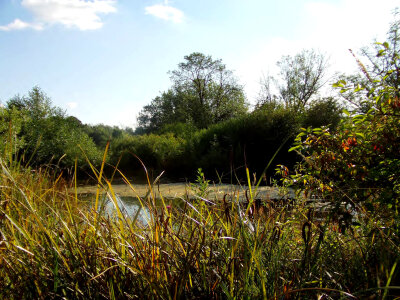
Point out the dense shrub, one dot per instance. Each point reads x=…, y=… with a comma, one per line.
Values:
x=355, y=169
x=157, y=152
x=11, y=121
x=251, y=141
x=42, y=134
x=324, y=112
x=224, y=150
x=359, y=161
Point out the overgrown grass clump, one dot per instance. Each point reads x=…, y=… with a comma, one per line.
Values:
x=53, y=246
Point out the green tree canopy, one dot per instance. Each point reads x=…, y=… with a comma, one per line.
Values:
x=101, y=134
x=204, y=92
x=45, y=133
x=299, y=81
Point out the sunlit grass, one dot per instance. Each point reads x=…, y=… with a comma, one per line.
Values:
x=53, y=246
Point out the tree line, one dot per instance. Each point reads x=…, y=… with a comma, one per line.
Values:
x=202, y=120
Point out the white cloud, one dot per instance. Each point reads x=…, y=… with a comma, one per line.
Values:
x=81, y=14
x=165, y=12
x=331, y=28
x=17, y=24
x=72, y=105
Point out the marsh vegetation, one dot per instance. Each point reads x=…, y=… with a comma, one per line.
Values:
x=233, y=245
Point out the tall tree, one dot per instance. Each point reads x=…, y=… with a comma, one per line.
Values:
x=37, y=104
x=300, y=79
x=168, y=108
x=204, y=92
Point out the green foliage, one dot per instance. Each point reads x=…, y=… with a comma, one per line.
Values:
x=37, y=105
x=169, y=108
x=352, y=88
x=227, y=147
x=158, y=152
x=11, y=121
x=204, y=92
x=206, y=96
x=300, y=79
x=359, y=162
x=53, y=245
x=383, y=58
x=101, y=134
x=250, y=140
x=380, y=67
x=323, y=112
x=181, y=130
x=201, y=185
x=43, y=134
x=354, y=169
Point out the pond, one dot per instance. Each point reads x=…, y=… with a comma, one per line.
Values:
x=127, y=196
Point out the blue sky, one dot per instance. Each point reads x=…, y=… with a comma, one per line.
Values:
x=103, y=60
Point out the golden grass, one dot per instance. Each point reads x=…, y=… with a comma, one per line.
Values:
x=53, y=246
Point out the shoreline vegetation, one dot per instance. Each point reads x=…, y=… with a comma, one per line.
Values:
x=184, y=190
x=54, y=245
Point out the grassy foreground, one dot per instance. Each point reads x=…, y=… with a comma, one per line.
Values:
x=53, y=247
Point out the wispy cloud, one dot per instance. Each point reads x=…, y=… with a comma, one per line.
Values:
x=17, y=24
x=166, y=12
x=80, y=14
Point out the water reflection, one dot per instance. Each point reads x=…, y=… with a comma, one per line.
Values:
x=130, y=207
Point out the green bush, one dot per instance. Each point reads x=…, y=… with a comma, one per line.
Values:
x=249, y=141
x=42, y=134
x=358, y=162
x=157, y=152
x=323, y=112
x=225, y=148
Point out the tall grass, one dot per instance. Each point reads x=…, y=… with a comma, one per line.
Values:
x=53, y=246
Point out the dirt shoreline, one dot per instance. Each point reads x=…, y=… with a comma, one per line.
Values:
x=177, y=190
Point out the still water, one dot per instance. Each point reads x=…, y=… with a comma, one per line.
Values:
x=131, y=207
